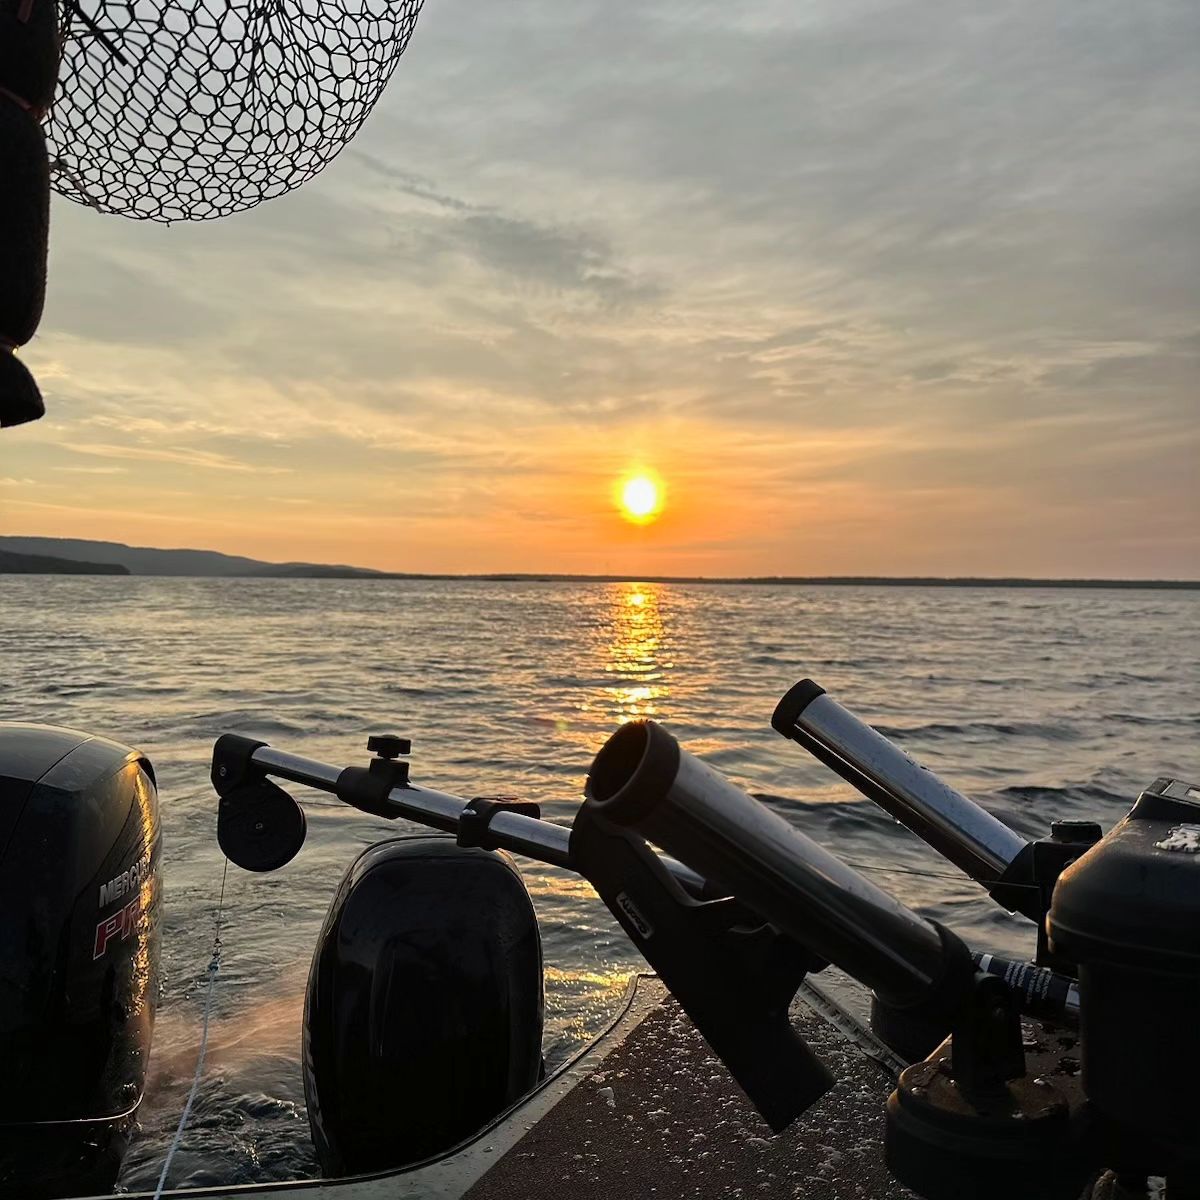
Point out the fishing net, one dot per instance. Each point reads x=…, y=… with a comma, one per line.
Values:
x=187, y=110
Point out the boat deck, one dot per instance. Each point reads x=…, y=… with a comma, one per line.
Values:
x=660, y=1117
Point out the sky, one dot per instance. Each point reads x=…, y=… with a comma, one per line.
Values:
x=871, y=286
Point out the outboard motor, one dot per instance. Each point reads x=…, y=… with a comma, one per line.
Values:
x=424, y=1010
x=1127, y=913
x=79, y=950
x=423, y=1018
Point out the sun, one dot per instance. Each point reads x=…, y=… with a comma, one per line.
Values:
x=641, y=499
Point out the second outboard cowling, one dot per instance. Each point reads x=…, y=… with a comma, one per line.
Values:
x=79, y=949
x=423, y=1018
x=1128, y=914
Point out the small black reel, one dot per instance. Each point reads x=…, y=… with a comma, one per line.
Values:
x=259, y=826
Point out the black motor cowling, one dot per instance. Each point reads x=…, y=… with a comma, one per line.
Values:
x=423, y=1018
x=1128, y=914
x=79, y=951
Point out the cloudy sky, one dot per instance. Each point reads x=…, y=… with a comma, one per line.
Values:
x=873, y=286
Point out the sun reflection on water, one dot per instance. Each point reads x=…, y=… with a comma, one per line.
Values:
x=637, y=641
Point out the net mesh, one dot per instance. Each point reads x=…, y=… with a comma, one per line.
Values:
x=186, y=110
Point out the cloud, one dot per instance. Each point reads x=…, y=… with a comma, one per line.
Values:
x=189, y=458
x=94, y=470
x=559, y=258
x=117, y=299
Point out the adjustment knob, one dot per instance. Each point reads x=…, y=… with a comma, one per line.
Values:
x=388, y=745
x=1076, y=831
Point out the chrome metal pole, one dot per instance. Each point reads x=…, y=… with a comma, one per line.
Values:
x=958, y=828
x=521, y=834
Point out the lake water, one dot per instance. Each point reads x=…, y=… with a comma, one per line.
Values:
x=1037, y=703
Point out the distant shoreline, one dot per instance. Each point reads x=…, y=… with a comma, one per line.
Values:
x=875, y=581
x=833, y=581
x=38, y=555
x=45, y=564
x=1177, y=585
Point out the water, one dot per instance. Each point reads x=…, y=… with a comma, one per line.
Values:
x=1038, y=703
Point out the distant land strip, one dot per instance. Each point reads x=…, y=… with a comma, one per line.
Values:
x=966, y=581
x=58, y=556
x=45, y=564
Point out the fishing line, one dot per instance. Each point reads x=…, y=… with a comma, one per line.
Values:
x=214, y=965
x=902, y=871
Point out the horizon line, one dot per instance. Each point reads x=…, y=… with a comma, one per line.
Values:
x=368, y=574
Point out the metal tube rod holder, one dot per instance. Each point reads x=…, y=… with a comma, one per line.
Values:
x=642, y=778
x=955, y=826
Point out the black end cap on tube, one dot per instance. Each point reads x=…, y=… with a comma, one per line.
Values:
x=798, y=698
x=233, y=762
x=633, y=772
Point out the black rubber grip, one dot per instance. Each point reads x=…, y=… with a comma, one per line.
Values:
x=797, y=699
x=633, y=772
